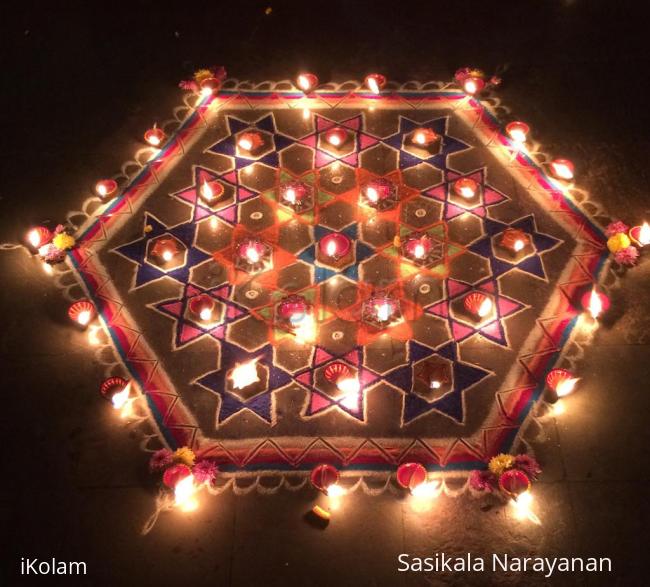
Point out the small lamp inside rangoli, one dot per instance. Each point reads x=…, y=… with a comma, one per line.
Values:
x=595, y=303
x=424, y=137
x=478, y=304
x=307, y=82
x=336, y=136
x=39, y=236
x=165, y=249
x=466, y=187
x=640, y=235
x=81, y=312
x=562, y=169
x=335, y=246
x=518, y=132
x=106, y=188
x=250, y=141
x=375, y=82
x=155, y=136
x=514, y=240
x=203, y=307
x=210, y=192
x=244, y=374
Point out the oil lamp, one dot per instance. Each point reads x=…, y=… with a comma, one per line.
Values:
x=478, y=304
x=379, y=193
x=155, y=136
x=561, y=381
x=295, y=194
x=209, y=193
x=307, y=82
x=244, y=374
x=106, y=188
x=251, y=254
x=383, y=308
x=202, y=306
x=562, y=169
x=209, y=86
x=423, y=137
x=466, y=187
x=417, y=248
x=293, y=310
x=165, y=249
x=336, y=136
x=39, y=236
x=413, y=476
x=323, y=477
x=517, y=131
x=375, y=82
x=334, y=246
x=250, y=141
x=473, y=85
x=81, y=312
x=514, y=240
x=640, y=235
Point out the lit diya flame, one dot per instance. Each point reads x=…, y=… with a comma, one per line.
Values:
x=561, y=381
x=39, y=236
x=121, y=399
x=424, y=136
x=336, y=136
x=478, y=304
x=165, y=248
x=244, y=374
x=383, y=311
x=81, y=312
x=518, y=132
x=209, y=193
x=307, y=82
x=641, y=234
x=521, y=505
x=466, y=187
x=154, y=136
x=203, y=307
x=562, y=169
x=249, y=141
x=294, y=193
x=209, y=86
x=350, y=387
x=595, y=303
x=252, y=254
x=375, y=82
x=473, y=85
x=185, y=494
x=106, y=188
x=514, y=239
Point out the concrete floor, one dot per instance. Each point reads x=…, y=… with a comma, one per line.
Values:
x=76, y=486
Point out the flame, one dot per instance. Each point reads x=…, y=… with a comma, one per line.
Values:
x=435, y=384
x=244, y=374
x=214, y=223
x=562, y=170
x=467, y=192
x=245, y=144
x=372, y=194
x=644, y=235
x=303, y=83
x=185, y=494
x=566, y=386
x=306, y=329
x=48, y=268
x=518, y=245
x=101, y=189
x=93, y=337
x=373, y=85
x=84, y=317
x=470, y=86
x=34, y=238
x=167, y=255
x=205, y=314
x=485, y=308
x=290, y=196
x=521, y=505
x=418, y=251
x=334, y=139
x=426, y=490
x=595, y=304
x=252, y=255
x=123, y=401
x=331, y=248
x=207, y=193
x=383, y=311
x=305, y=113
x=517, y=135
x=420, y=138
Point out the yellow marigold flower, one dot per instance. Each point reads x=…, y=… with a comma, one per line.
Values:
x=618, y=242
x=397, y=241
x=500, y=463
x=63, y=241
x=202, y=74
x=185, y=455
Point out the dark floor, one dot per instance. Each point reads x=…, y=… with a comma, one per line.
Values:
x=79, y=87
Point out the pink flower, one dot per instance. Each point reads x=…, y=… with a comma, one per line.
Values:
x=528, y=465
x=616, y=228
x=627, y=256
x=483, y=481
x=205, y=471
x=161, y=459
